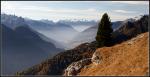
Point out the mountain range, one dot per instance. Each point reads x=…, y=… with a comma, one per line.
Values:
x=48, y=28
x=22, y=47
x=27, y=42
x=64, y=33
x=70, y=62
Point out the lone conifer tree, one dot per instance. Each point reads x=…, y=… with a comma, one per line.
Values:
x=103, y=37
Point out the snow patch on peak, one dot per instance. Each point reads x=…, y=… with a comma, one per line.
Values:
x=138, y=17
x=133, y=19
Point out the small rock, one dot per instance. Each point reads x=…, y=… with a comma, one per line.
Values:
x=75, y=67
x=96, y=58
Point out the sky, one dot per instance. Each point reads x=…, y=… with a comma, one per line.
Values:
x=71, y=10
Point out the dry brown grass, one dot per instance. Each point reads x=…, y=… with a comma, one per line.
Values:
x=122, y=59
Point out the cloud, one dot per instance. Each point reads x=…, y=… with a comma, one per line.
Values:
x=133, y=2
x=44, y=12
x=124, y=11
x=16, y=7
x=73, y=11
x=51, y=10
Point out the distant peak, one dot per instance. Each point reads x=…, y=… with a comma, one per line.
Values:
x=133, y=19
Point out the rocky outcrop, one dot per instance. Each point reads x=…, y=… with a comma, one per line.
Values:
x=75, y=67
x=96, y=58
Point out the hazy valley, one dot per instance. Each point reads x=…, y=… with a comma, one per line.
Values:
x=28, y=42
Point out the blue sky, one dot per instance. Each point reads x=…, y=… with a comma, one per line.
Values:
x=89, y=10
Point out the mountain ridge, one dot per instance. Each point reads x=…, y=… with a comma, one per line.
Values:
x=58, y=64
x=19, y=45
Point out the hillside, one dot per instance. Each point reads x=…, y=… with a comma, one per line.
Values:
x=57, y=64
x=127, y=58
x=22, y=48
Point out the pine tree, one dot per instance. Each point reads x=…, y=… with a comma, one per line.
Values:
x=103, y=37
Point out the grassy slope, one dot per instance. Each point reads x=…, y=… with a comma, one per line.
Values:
x=122, y=59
